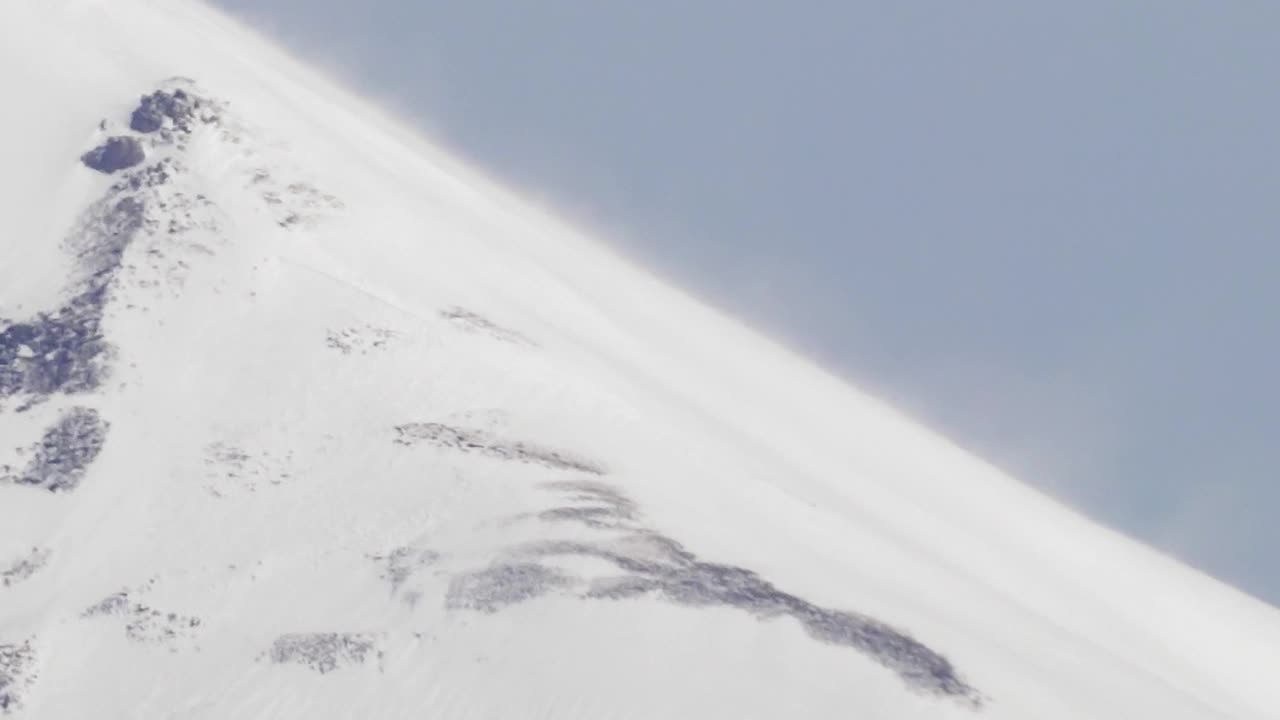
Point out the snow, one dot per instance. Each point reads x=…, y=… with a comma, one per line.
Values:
x=370, y=435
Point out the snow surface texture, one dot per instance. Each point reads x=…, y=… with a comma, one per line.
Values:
x=301, y=418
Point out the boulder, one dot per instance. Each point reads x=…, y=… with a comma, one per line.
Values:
x=117, y=153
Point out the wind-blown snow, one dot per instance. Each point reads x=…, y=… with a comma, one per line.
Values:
x=299, y=417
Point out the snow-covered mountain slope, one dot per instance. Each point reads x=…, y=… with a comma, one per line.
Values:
x=300, y=418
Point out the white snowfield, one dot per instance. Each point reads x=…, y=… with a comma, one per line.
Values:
x=301, y=418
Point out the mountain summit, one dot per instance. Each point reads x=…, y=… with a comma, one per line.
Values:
x=302, y=418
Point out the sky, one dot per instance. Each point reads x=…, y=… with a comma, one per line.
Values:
x=1047, y=230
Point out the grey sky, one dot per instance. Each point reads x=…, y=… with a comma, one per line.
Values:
x=1047, y=229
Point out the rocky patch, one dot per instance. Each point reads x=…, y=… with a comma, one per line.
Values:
x=621, y=587
x=469, y=321
x=295, y=203
x=64, y=351
x=17, y=675
x=650, y=564
x=360, y=340
x=170, y=114
x=117, y=604
x=471, y=440
x=175, y=109
x=59, y=352
x=151, y=176
x=325, y=652
x=144, y=624
x=171, y=250
x=502, y=584
x=24, y=567
x=301, y=201
x=593, y=504
x=64, y=454
x=402, y=563
x=230, y=468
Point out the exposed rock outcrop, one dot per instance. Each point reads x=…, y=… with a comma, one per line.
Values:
x=177, y=106
x=117, y=153
x=65, y=452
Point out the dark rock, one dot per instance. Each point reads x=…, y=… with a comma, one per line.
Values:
x=64, y=351
x=178, y=106
x=59, y=352
x=917, y=664
x=117, y=153
x=66, y=451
